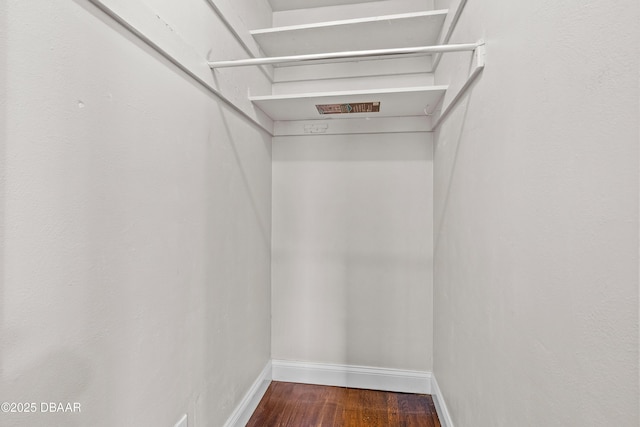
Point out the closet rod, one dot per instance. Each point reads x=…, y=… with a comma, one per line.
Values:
x=345, y=55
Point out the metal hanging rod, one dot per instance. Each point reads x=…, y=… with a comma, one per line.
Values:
x=344, y=55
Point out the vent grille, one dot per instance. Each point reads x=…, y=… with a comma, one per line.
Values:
x=354, y=107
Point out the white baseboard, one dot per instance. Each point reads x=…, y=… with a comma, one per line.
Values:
x=441, y=405
x=385, y=379
x=241, y=415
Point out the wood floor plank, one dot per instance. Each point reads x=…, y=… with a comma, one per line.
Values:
x=304, y=405
x=393, y=414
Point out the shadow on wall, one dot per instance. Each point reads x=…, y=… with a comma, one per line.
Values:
x=262, y=223
x=450, y=163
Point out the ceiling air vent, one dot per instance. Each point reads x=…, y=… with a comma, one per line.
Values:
x=356, y=107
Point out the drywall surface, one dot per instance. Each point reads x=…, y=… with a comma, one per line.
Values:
x=445, y=4
x=351, y=271
x=136, y=214
x=536, y=219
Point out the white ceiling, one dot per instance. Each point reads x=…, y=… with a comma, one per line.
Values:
x=278, y=5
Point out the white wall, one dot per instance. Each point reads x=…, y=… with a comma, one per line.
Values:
x=536, y=219
x=135, y=224
x=352, y=260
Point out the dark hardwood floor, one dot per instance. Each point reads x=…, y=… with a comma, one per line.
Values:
x=304, y=405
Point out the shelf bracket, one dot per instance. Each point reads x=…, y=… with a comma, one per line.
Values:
x=479, y=58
